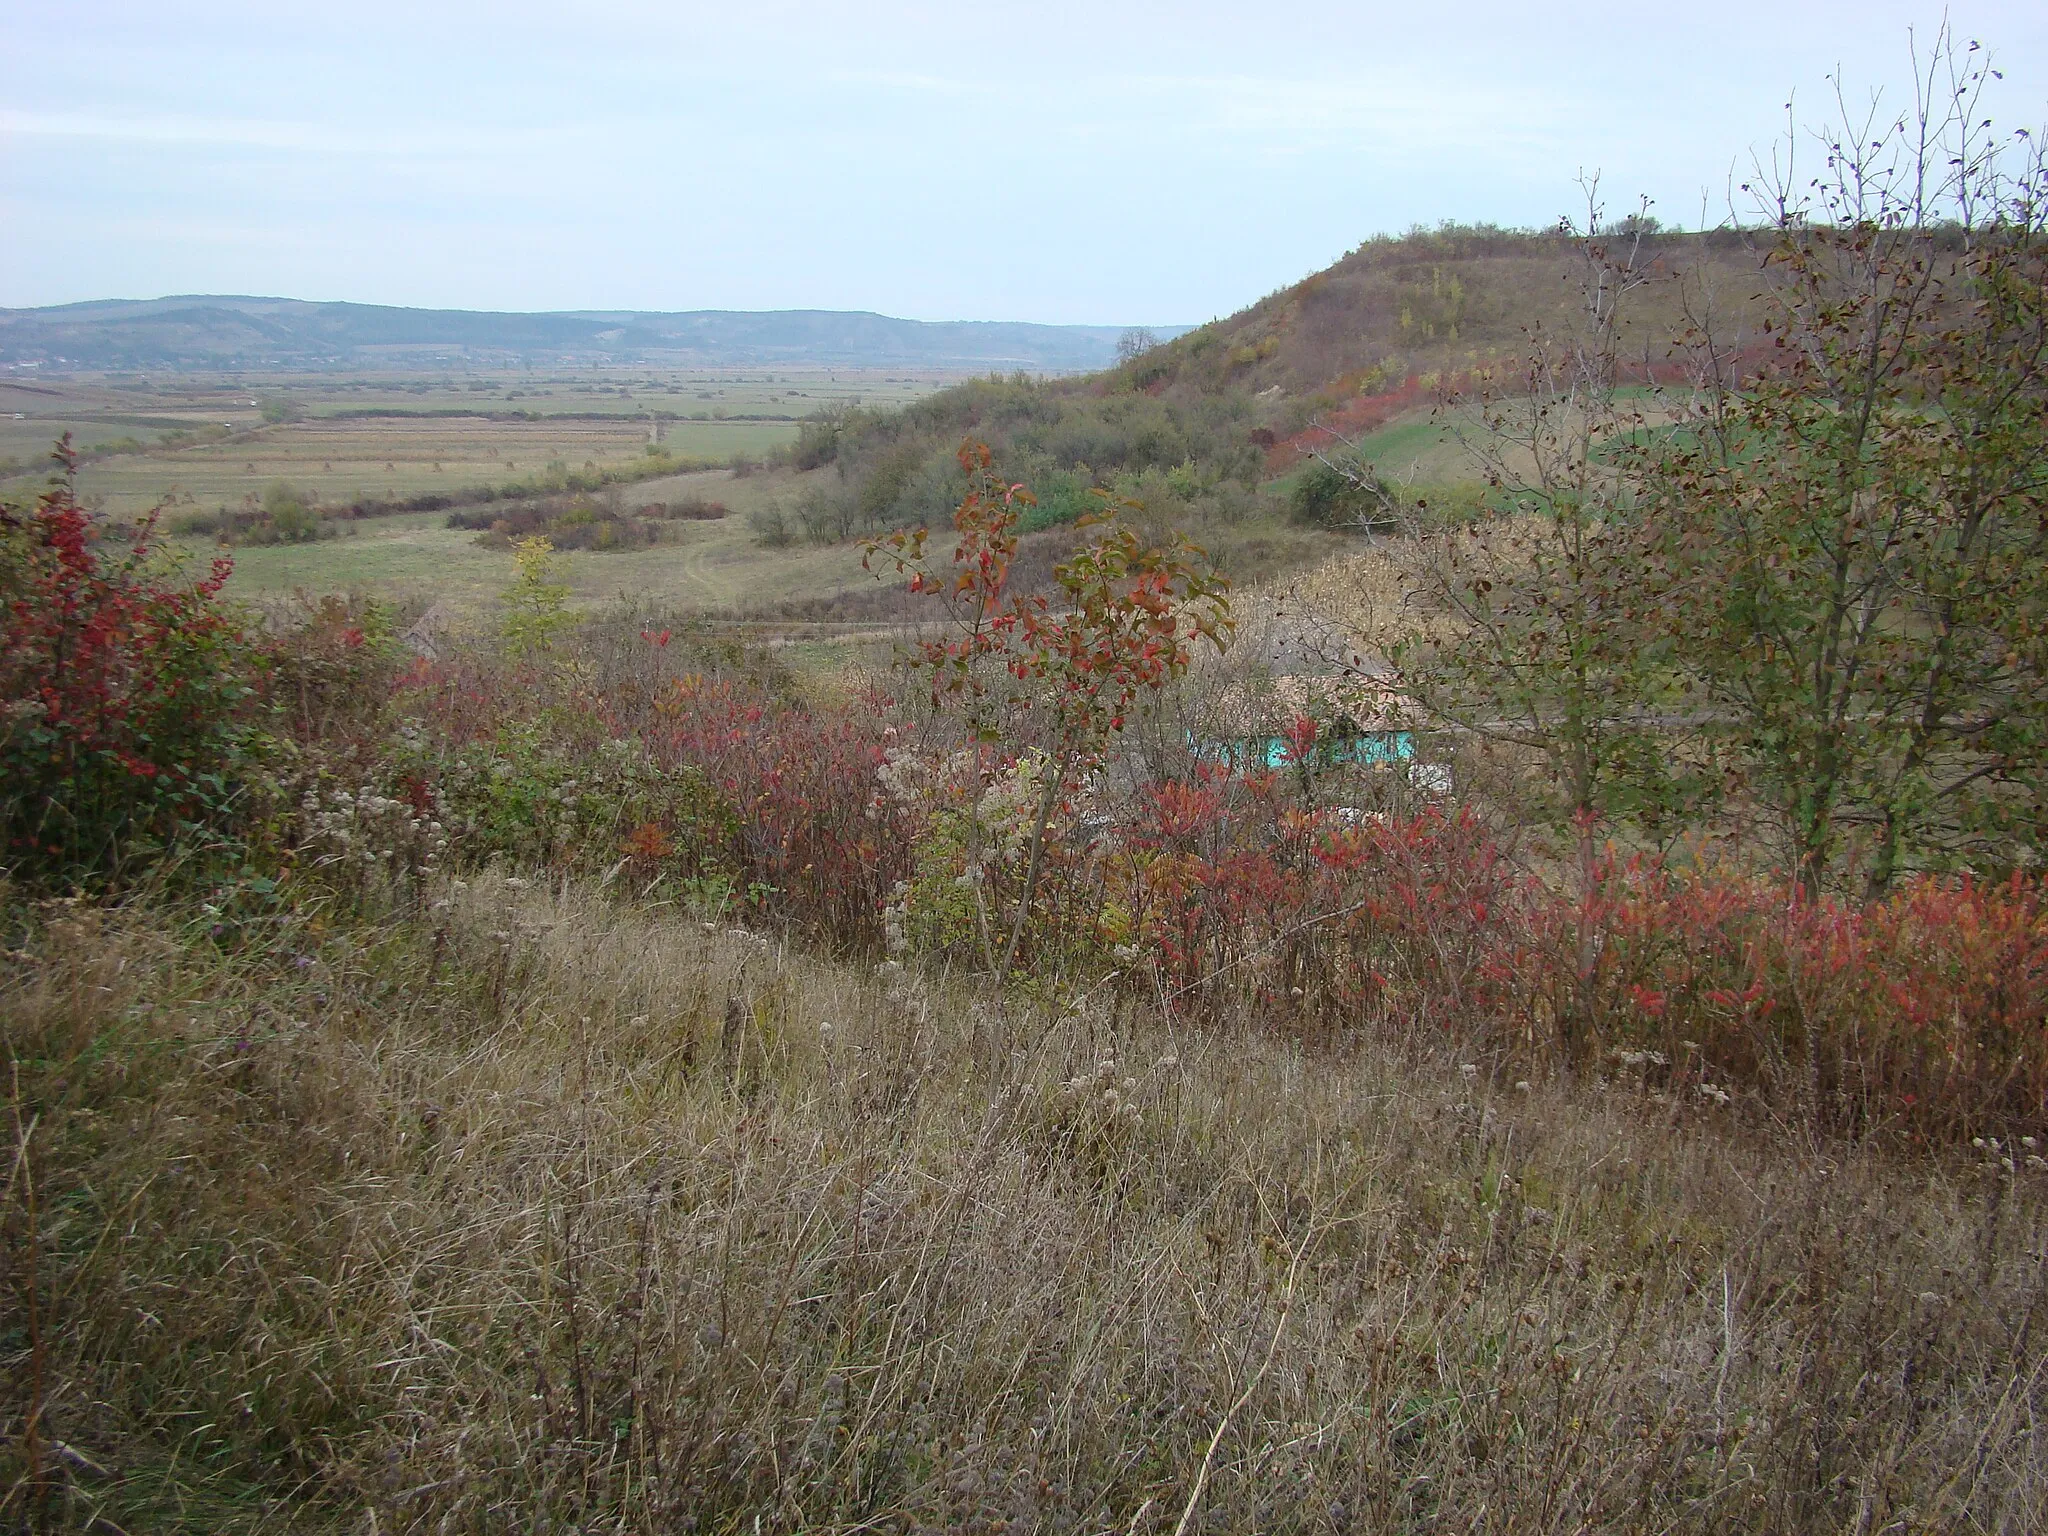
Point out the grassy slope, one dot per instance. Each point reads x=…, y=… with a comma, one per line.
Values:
x=1424, y=304
x=535, y=1211
x=1433, y=303
x=1363, y=345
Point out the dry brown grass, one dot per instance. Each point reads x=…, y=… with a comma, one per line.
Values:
x=1441, y=302
x=537, y=1213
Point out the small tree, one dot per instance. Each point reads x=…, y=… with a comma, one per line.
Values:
x=1529, y=627
x=1134, y=343
x=536, y=601
x=1860, y=528
x=1128, y=617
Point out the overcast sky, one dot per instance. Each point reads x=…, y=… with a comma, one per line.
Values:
x=1112, y=163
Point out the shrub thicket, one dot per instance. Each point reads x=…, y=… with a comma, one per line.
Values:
x=897, y=469
x=127, y=728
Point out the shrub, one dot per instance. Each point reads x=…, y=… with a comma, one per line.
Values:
x=530, y=801
x=536, y=602
x=290, y=520
x=770, y=527
x=1221, y=895
x=329, y=672
x=817, y=847
x=731, y=778
x=568, y=522
x=1237, y=895
x=1925, y=1012
x=125, y=726
x=1325, y=497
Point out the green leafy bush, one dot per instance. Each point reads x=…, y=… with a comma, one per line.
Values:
x=534, y=801
x=1325, y=497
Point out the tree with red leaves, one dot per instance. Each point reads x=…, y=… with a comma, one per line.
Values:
x=123, y=722
x=1124, y=623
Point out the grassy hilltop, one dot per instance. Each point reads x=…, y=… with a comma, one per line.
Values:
x=1436, y=302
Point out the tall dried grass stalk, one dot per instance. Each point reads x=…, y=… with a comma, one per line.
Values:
x=534, y=1213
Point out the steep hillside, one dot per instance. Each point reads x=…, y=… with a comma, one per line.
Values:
x=1199, y=426
x=1436, y=302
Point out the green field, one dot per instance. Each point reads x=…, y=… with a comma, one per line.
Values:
x=416, y=559
x=341, y=461
x=434, y=434
x=1439, y=447
x=1423, y=447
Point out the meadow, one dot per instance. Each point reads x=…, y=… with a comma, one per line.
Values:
x=415, y=560
x=573, y=1104
x=345, y=437
x=537, y=1208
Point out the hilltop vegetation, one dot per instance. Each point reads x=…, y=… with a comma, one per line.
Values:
x=1438, y=302
x=1200, y=426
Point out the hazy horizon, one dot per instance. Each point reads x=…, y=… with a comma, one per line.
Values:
x=1108, y=165
x=589, y=309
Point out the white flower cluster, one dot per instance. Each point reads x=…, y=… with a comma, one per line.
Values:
x=1108, y=1087
x=1009, y=805
x=896, y=920
x=908, y=778
x=2001, y=1153
x=365, y=827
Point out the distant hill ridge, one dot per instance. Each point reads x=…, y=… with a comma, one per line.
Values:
x=239, y=331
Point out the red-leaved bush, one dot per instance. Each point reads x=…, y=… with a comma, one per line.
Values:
x=817, y=846
x=122, y=728
x=812, y=846
x=1243, y=897
x=1925, y=1013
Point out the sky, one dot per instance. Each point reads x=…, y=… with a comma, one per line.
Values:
x=1108, y=163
